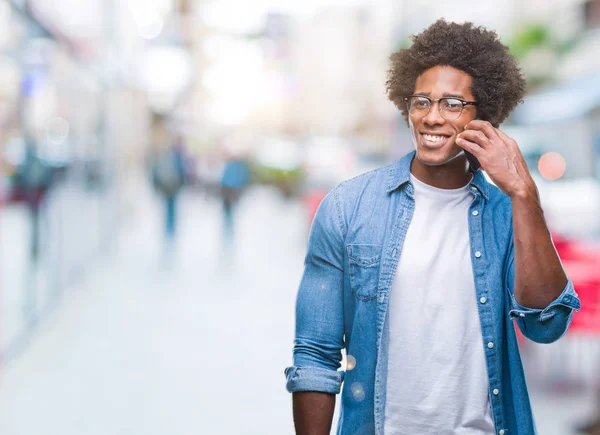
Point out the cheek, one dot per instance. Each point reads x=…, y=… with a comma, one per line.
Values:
x=459, y=128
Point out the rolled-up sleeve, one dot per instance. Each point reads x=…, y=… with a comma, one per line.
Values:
x=542, y=325
x=319, y=337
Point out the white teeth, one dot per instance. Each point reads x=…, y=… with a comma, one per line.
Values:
x=433, y=138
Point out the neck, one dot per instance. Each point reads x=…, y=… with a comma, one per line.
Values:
x=452, y=175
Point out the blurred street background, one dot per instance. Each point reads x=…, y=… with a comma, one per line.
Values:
x=160, y=165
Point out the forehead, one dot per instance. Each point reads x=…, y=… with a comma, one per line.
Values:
x=440, y=81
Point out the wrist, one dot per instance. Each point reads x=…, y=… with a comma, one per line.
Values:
x=518, y=194
x=523, y=191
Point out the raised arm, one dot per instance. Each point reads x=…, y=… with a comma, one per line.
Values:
x=543, y=298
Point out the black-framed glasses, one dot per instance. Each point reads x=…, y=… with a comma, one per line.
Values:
x=450, y=107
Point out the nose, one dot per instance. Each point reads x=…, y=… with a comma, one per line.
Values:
x=434, y=117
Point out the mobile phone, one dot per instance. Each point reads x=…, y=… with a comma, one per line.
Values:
x=474, y=164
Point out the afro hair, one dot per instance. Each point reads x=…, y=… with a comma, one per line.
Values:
x=497, y=82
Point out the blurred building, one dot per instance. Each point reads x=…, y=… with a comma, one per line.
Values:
x=338, y=62
x=563, y=114
x=279, y=73
x=73, y=99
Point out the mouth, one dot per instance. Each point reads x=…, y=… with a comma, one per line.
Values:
x=429, y=140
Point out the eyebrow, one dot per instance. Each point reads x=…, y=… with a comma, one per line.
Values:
x=445, y=95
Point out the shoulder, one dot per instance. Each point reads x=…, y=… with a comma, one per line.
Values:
x=353, y=196
x=373, y=182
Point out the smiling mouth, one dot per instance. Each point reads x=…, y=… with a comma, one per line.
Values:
x=433, y=140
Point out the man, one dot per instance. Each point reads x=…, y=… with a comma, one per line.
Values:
x=235, y=178
x=168, y=175
x=419, y=269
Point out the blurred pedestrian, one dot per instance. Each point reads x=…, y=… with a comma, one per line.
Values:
x=168, y=175
x=33, y=179
x=419, y=269
x=234, y=179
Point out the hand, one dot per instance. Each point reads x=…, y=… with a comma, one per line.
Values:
x=499, y=156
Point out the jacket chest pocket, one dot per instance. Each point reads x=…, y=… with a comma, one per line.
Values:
x=363, y=264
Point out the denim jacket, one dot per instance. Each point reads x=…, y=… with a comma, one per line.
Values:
x=354, y=246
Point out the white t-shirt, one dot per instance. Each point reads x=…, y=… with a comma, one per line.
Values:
x=437, y=381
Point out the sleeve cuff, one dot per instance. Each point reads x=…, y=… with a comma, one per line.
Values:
x=313, y=379
x=568, y=298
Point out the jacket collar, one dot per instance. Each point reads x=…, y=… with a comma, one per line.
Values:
x=399, y=176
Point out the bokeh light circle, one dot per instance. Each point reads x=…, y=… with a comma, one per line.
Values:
x=552, y=166
x=350, y=362
x=358, y=391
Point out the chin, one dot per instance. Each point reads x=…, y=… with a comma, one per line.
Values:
x=436, y=157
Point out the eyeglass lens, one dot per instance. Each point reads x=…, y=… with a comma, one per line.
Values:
x=450, y=108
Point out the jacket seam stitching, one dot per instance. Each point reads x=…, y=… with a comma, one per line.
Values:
x=339, y=213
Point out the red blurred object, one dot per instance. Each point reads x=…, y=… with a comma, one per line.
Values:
x=311, y=200
x=582, y=263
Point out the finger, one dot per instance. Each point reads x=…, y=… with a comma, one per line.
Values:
x=512, y=145
x=483, y=126
x=476, y=136
x=472, y=147
x=503, y=135
x=509, y=141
